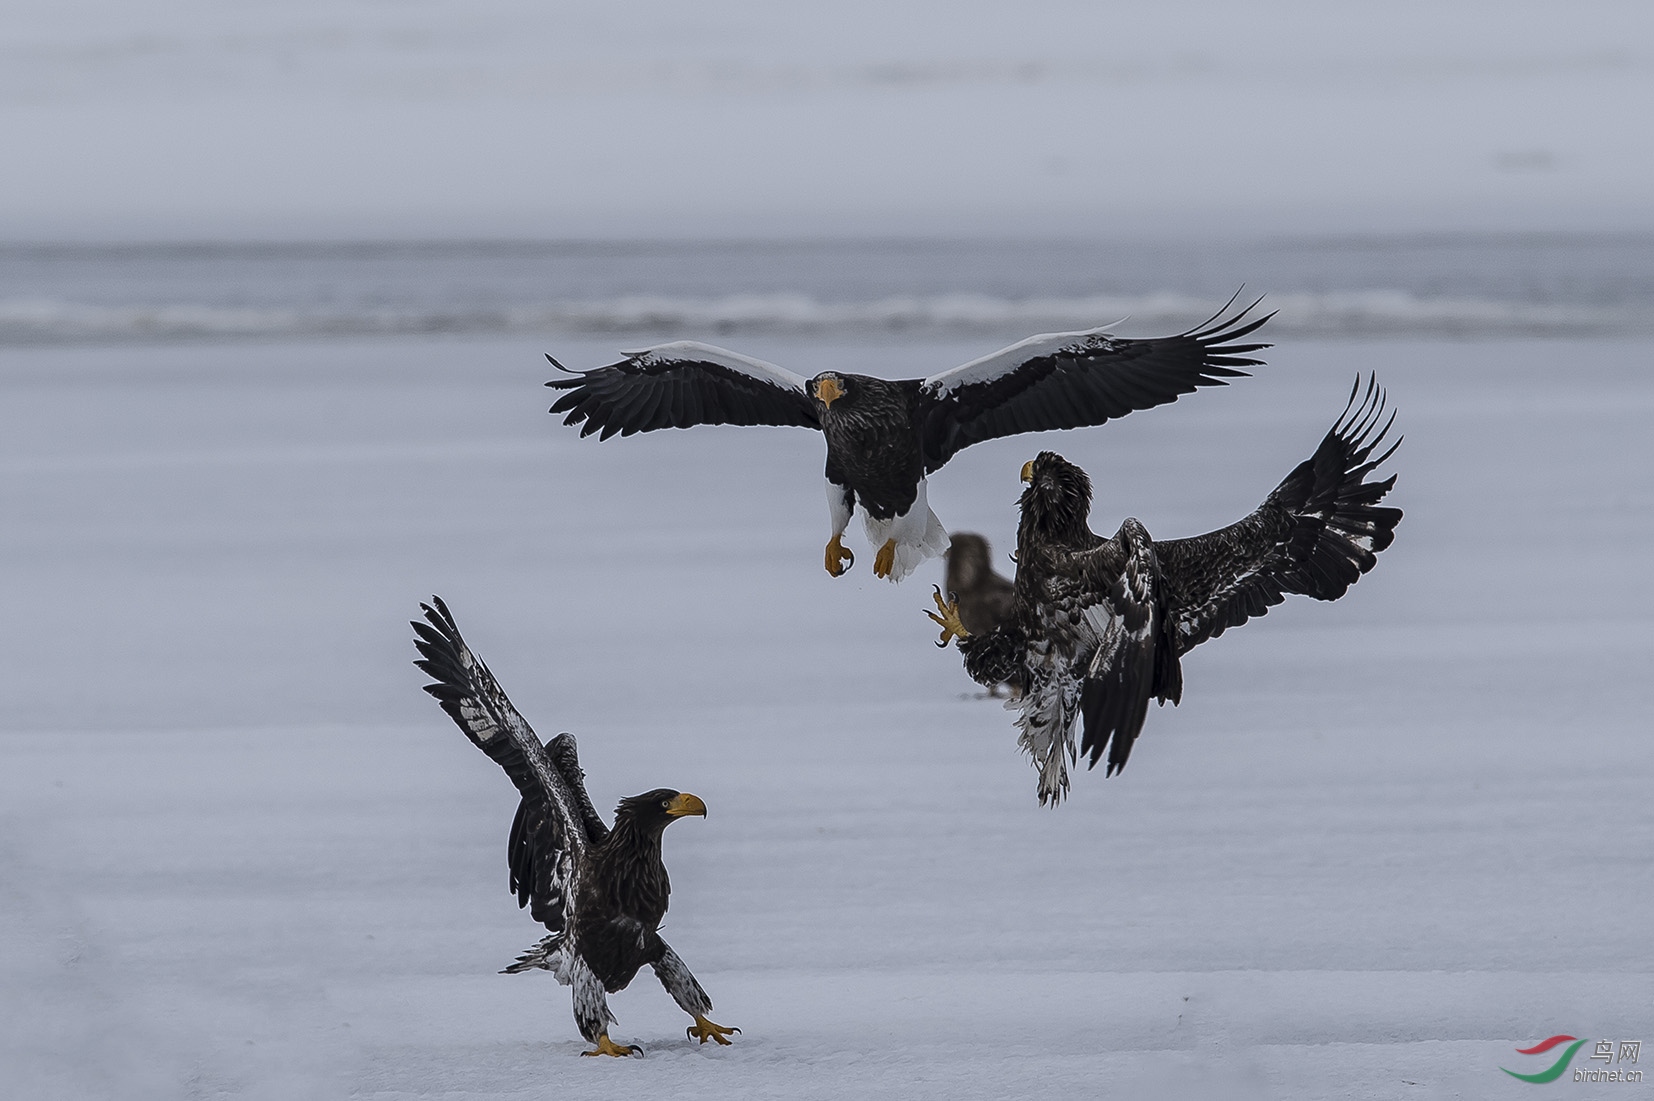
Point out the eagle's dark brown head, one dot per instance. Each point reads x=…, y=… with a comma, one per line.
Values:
x=969, y=564
x=654, y=810
x=1057, y=500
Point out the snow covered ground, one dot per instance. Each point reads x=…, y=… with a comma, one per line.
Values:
x=1382, y=844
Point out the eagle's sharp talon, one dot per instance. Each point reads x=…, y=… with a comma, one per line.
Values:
x=606, y=1046
x=704, y=1030
x=948, y=620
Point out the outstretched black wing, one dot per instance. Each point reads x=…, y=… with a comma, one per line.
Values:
x=1073, y=380
x=678, y=386
x=554, y=813
x=1316, y=534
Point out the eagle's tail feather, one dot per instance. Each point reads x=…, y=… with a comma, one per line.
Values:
x=547, y=955
x=1046, y=713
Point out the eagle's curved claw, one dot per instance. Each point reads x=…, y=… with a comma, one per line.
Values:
x=948, y=620
x=606, y=1046
x=839, y=558
x=704, y=1030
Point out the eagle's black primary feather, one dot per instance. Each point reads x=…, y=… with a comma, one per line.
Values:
x=1314, y=535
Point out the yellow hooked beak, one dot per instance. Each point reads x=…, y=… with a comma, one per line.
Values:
x=828, y=390
x=686, y=804
x=1028, y=471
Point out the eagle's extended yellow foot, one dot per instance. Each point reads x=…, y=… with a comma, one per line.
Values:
x=704, y=1030
x=839, y=558
x=949, y=618
x=885, y=560
x=606, y=1046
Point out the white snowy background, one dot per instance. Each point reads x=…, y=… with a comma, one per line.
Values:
x=1382, y=843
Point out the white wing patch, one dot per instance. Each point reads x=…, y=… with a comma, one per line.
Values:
x=478, y=720
x=1006, y=360
x=692, y=351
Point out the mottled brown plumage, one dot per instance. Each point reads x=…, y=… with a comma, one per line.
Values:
x=1099, y=625
x=985, y=598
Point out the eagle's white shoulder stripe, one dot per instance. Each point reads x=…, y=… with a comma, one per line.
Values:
x=1006, y=360
x=693, y=351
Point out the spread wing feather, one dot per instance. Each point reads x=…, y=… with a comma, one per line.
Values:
x=553, y=825
x=1074, y=380
x=1315, y=534
x=680, y=385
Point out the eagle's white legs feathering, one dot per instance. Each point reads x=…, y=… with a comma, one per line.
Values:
x=907, y=539
x=840, y=505
x=591, y=1010
x=681, y=984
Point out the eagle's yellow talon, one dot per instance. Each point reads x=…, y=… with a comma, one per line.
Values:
x=606, y=1046
x=704, y=1030
x=885, y=560
x=838, y=553
x=948, y=620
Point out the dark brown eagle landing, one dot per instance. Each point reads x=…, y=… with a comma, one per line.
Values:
x=602, y=892
x=884, y=437
x=1100, y=625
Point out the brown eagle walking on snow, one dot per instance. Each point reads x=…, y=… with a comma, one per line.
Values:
x=601, y=891
x=883, y=436
x=1100, y=625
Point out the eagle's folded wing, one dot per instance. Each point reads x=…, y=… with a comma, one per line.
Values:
x=541, y=867
x=1074, y=380
x=680, y=385
x=1133, y=661
x=550, y=835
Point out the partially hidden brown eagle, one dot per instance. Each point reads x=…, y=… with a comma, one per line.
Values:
x=985, y=599
x=884, y=436
x=601, y=891
x=1100, y=625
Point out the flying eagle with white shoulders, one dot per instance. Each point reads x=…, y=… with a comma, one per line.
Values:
x=601, y=891
x=1099, y=626
x=884, y=437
